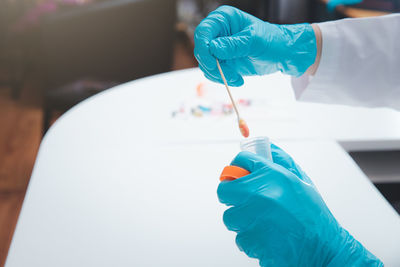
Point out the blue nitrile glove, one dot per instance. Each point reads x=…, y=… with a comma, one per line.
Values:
x=282, y=220
x=333, y=3
x=246, y=45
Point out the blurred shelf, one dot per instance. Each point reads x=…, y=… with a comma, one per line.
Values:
x=355, y=12
x=352, y=12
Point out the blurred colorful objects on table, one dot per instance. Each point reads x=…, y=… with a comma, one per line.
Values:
x=204, y=104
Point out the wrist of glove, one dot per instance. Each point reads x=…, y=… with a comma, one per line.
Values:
x=350, y=252
x=281, y=219
x=246, y=45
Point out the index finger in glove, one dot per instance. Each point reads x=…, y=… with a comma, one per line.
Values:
x=285, y=160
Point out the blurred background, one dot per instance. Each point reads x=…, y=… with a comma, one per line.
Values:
x=56, y=53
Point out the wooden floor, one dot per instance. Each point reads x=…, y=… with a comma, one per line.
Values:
x=20, y=135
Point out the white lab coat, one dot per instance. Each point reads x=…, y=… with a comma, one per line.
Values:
x=360, y=64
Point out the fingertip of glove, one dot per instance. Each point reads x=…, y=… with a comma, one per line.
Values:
x=237, y=82
x=221, y=192
x=232, y=77
x=234, y=80
x=227, y=219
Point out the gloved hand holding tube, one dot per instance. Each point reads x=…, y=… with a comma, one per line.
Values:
x=282, y=220
x=246, y=45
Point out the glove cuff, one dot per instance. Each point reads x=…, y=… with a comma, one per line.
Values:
x=302, y=48
x=352, y=253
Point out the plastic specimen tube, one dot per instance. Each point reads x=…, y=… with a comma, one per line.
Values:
x=257, y=145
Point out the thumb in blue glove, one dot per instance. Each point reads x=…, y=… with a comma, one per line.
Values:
x=246, y=45
x=281, y=219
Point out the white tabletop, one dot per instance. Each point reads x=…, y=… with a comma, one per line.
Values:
x=120, y=182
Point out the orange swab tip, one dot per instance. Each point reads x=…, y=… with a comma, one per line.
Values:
x=244, y=129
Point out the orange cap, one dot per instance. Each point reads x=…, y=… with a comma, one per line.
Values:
x=230, y=173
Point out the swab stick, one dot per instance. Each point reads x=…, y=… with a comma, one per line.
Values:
x=244, y=129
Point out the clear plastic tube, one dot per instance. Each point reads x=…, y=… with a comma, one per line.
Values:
x=258, y=145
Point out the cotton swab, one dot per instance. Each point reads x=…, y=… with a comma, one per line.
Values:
x=244, y=129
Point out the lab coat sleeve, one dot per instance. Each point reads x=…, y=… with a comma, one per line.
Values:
x=359, y=65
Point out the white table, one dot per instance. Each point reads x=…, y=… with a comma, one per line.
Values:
x=119, y=182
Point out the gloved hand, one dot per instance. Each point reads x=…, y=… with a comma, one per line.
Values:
x=281, y=219
x=246, y=45
x=333, y=3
